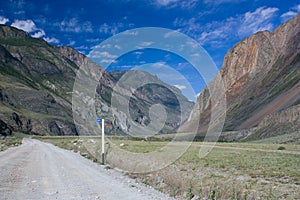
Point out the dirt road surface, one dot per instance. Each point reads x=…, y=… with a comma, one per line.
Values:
x=37, y=170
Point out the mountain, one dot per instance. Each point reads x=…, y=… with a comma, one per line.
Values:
x=34, y=85
x=152, y=91
x=36, y=89
x=261, y=76
x=138, y=90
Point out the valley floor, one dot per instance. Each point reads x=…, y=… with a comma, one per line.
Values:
x=37, y=170
x=230, y=171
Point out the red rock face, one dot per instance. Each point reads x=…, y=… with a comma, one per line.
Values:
x=261, y=75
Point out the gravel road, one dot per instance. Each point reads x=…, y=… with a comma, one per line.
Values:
x=37, y=170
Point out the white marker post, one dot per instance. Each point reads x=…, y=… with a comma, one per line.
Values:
x=102, y=137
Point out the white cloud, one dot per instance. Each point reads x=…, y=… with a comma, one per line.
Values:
x=209, y=36
x=72, y=43
x=138, y=53
x=73, y=25
x=159, y=65
x=130, y=32
x=114, y=28
x=118, y=46
x=30, y=27
x=171, y=34
x=38, y=34
x=104, y=28
x=3, y=20
x=290, y=14
x=110, y=29
x=107, y=61
x=186, y=4
x=217, y=2
x=25, y=25
x=192, y=44
x=259, y=20
x=126, y=67
x=218, y=33
x=180, y=87
x=196, y=55
x=82, y=47
x=166, y=2
x=92, y=40
x=205, y=33
x=145, y=44
x=102, y=46
x=106, y=56
x=51, y=40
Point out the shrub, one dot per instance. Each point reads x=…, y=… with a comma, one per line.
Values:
x=281, y=148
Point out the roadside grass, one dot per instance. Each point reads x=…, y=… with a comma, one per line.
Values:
x=254, y=163
x=138, y=146
x=256, y=145
x=11, y=141
x=229, y=171
x=88, y=147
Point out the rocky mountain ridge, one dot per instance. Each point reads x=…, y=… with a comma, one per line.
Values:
x=261, y=76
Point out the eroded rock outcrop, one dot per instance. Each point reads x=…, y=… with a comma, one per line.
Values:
x=5, y=130
x=290, y=115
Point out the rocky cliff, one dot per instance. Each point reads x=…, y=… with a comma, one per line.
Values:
x=261, y=76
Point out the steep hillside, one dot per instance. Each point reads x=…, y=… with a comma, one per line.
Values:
x=261, y=75
x=36, y=87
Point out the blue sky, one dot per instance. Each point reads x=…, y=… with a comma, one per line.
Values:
x=215, y=24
